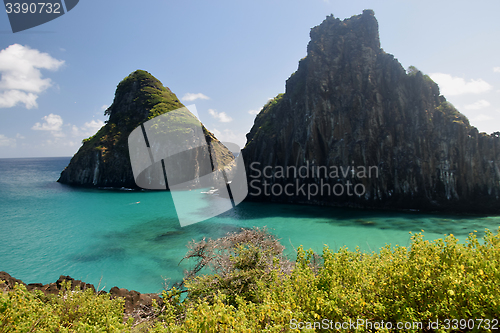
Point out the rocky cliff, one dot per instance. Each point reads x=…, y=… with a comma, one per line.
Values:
x=103, y=160
x=353, y=128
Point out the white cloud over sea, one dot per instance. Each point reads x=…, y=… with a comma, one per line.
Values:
x=89, y=128
x=254, y=112
x=452, y=85
x=52, y=123
x=220, y=116
x=21, y=80
x=189, y=97
x=481, y=104
x=482, y=117
x=6, y=141
x=227, y=135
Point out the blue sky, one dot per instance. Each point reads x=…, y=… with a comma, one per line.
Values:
x=57, y=78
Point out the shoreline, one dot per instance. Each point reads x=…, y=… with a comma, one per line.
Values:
x=135, y=302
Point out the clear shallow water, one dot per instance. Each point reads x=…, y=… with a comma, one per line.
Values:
x=133, y=239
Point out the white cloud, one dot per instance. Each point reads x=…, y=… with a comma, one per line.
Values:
x=88, y=129
x=482, y=117
x=58, y=142
x=7, y=142
x=21, y=79
x=451, y=85
x=52, y=123
x=220, y=116
x=19, y=136
x=93, y=126
x=104, y=107
x=477, y=105
x=10, y=98
x=254, y=112
x=496, y=69
x=228, y=135
x=191, y=97
x=55, y=125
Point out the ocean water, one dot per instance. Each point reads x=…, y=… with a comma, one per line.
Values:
x=133, y=240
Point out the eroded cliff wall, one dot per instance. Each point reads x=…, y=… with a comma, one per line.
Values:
x=350, y=104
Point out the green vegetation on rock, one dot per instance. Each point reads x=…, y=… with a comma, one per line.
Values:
x=450, y=112
x=104, y=161
x=150, y=92
x=412, y=71
x=263, y=121
x=138, y=98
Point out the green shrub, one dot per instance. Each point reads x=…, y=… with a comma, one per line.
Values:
x=70, y=311
x=242, y=283
x=425, y=282
x=237, y=262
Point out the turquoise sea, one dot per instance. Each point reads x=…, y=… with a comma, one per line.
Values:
x=132, y=239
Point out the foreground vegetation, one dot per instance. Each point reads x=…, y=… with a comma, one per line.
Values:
x=244, y=283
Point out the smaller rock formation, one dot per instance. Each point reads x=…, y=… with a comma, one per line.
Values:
x=104, y=160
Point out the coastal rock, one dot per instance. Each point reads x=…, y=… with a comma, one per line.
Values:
x=74, y=284
x=50, y=288
x=8, y=282
x=136, y=304
x=134, y=300
x=104, y=160
x=352, y=107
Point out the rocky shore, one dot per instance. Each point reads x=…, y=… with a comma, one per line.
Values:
x=137, y=305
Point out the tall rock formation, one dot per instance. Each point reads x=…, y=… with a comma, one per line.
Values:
x=352, y=107
x=103, y=160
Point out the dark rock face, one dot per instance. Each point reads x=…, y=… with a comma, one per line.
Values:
x=104, y=160
x=351, y=105
x=51, y=288
x=8, y=282
x=134, y=299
